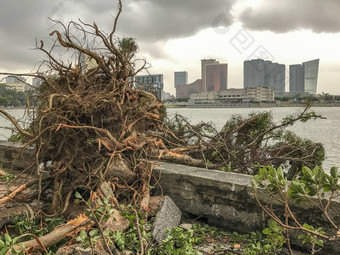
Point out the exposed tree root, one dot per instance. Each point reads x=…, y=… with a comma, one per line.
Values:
x=70, y=228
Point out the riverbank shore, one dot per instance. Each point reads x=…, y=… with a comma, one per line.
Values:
x=255, y=105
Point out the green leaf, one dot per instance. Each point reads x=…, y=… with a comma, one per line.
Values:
x=334, y=172
x=307, y=172
x=316, y=170
x=83, y=235
x=4, y=251
x=272, y=172
x=305, y=225
x=297, y=187
x=8, y=238
x=280, y=172
x=320, y=243
x=15, y=239
x=93, y=232
x=257, y=179
x=77, y=195
x=263, y=173
x=266, y=231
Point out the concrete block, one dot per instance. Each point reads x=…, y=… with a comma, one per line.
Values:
x=168, y=217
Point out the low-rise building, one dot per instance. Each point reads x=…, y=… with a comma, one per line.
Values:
x=233, y=96
x=15, y=83
x=185, y=91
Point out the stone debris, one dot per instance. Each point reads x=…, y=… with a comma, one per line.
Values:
x=218, y=248
x=73, y=250
x=154, y=204
x=186, y=226
x=168, y=217
x=127, y=252
x=116, y=222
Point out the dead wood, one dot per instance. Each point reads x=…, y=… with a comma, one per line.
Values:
x=70, y=228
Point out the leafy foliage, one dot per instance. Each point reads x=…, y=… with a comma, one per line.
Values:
x=245, y=143
x=10, y=97
x=312, y=185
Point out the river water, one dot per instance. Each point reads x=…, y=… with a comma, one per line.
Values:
x=326, y=131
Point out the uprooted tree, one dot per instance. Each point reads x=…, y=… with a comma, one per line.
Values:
x=94, y=126
x=88, y=119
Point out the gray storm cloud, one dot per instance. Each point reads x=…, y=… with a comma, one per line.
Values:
x=21, y=22
x=282, y=16
x=152, y=20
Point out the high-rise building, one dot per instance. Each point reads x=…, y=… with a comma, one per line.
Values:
x=204, y=63
x=181, y=78
x=216, y=77
x=296, y=78
x=253, y=73
x=311, y=70
x=261, y=73
x=304, y=78
x=152, y=83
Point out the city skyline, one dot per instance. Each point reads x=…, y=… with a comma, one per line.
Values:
x=176, y=35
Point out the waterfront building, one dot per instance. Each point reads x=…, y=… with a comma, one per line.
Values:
x=304, y=77
x=261, y=73
x=216, y=77
x=152, y=83
x=15, y=83
x=204, y=63
x=184, y=91
x=181, y=78
x=233, y=96
x=311, y=70
x=296, y=78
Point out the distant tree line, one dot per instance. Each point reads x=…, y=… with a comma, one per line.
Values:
x=11, y=97
x=324, y=97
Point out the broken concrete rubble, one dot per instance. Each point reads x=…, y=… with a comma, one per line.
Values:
x=168, y=217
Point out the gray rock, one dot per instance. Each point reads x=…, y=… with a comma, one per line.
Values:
x=168, y=217
x=119, y=168
x=73, y=250
x=186, y=226
x=106, y=190
x=127, y=252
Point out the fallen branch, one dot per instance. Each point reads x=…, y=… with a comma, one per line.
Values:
x=58, y=234
x=185, y=159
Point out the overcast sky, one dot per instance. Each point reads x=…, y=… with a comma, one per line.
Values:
x=174, y=35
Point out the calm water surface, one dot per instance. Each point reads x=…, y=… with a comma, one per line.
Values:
x=326, y=131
